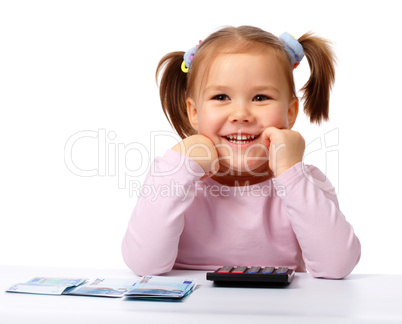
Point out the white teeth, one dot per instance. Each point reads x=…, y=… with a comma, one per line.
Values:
x=240, y=139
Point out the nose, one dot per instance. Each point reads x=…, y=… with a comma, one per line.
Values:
x=241, y=114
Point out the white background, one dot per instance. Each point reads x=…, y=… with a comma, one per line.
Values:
x=88, y=67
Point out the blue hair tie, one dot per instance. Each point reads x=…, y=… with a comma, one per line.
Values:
x=187, y=58
x=293, y=47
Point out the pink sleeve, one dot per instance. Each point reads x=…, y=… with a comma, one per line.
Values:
x=328, y=243
x=150, y=245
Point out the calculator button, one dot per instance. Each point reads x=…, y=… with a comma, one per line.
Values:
x=225, y=269
x=267, y=270
x=253, y=270
x=239, y=269
x=282, y=270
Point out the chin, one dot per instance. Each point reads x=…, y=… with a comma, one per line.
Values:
x=247, y=166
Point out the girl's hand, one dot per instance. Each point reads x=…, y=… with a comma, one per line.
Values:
x=286, y=148
x=202, y=150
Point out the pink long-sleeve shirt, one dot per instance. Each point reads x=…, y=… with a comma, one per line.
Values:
x=292, y=220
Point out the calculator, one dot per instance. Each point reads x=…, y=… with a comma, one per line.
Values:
x=243, y=276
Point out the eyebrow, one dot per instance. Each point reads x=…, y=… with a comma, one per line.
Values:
x=216, y=88
x=262, y=88
x=266, y=88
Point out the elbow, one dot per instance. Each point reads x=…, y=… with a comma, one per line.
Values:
x=144, y=269
x=337, y=268
x=144, y=266
x=334, y=274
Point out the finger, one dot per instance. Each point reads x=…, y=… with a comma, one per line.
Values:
x=267, y=135
x=207, y=175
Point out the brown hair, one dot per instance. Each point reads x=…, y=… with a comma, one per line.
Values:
x=176, y=86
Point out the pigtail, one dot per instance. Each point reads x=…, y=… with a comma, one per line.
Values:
x=172, y=92
x=316, y=91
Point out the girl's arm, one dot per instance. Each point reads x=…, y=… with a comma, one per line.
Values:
x=328, y=243
x=150, y=245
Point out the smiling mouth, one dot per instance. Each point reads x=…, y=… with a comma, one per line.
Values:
x=241, y=139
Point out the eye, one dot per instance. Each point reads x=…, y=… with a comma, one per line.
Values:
x=261, y=98
x=221, y=97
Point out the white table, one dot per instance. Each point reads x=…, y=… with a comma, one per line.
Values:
x=360, y=298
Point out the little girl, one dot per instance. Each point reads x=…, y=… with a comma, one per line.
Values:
x=235, y=191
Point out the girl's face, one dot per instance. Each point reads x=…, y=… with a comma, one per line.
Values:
x=242, y=95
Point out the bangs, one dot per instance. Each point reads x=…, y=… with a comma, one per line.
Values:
x=232, y=40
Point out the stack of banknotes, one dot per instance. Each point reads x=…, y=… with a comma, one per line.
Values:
x=147, y=287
